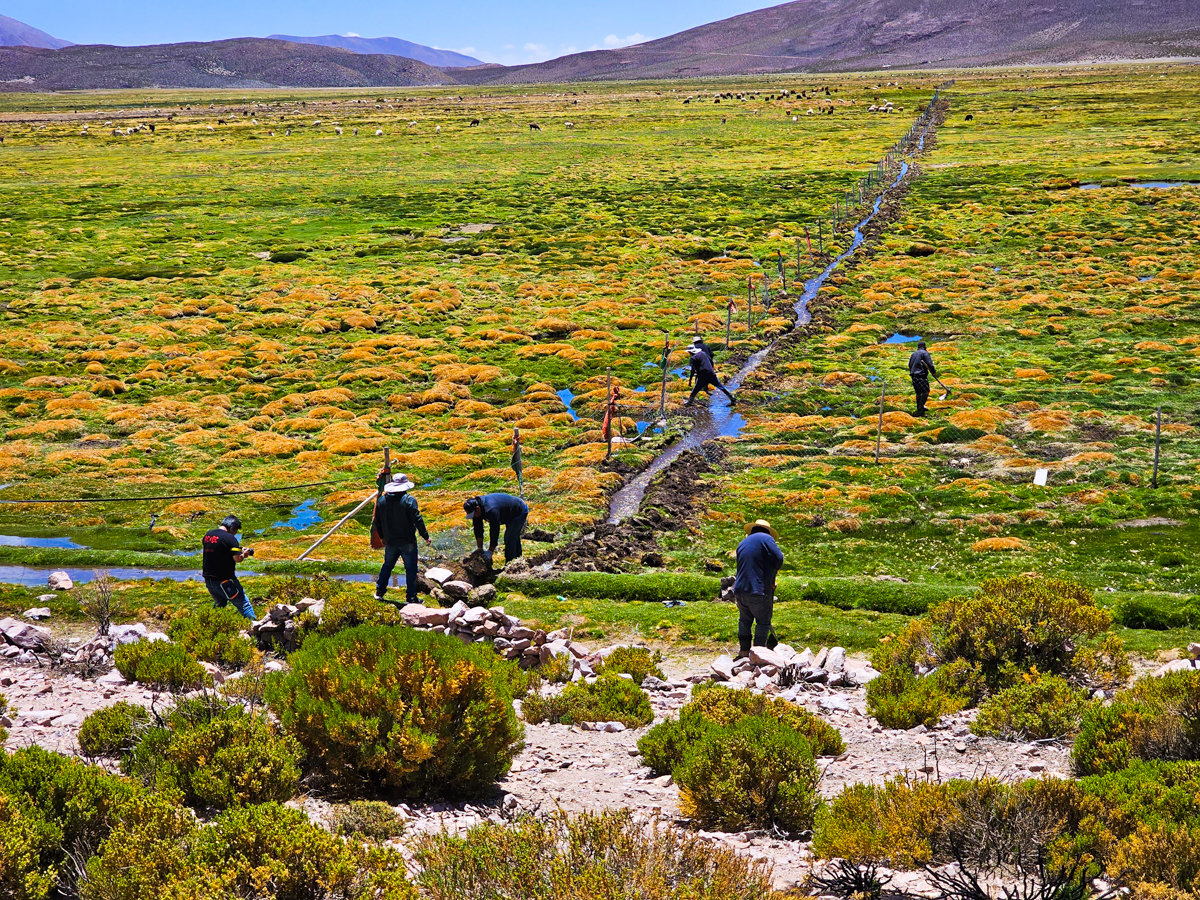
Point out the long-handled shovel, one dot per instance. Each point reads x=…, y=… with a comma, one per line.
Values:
x=946, y=395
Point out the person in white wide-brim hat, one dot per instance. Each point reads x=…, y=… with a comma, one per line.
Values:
x=398, y=521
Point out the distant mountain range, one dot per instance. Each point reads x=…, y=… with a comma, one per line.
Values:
x=804, y=35
x=18, y=34
x=240, y=63
x=388, y=46
x=846, y=35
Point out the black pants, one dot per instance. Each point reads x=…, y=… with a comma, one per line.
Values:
x=705, y=381
x=512, y=537
x=754, y=610
x=921, y=388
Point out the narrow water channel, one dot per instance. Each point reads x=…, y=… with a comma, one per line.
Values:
x=721, y=420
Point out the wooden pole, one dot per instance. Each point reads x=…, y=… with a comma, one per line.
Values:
x=879, y=432
x=344, y=520
x=750, y=313
x=728, y=323
x=666, y=364
x=608, y=412
x=1157, y=443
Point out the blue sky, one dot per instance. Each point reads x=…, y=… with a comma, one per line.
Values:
x=513, y=32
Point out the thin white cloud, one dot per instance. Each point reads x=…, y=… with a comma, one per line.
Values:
x=351, y=34
x=612, y=42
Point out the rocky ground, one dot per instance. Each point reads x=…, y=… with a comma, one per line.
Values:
x=568, y=768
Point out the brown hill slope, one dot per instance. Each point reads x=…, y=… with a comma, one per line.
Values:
x=824, y=35
x=241, y=63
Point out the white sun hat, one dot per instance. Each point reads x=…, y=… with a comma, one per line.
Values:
x=399, y=484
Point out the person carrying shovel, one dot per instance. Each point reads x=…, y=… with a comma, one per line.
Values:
x=759, y=560
x=920, y=367
x=398, y=521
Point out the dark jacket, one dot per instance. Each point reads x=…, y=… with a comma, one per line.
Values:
x=499, y=509
x=920, y=364
x=759, y=560
x=707, y=350
x=702, y=366
x=398, y=519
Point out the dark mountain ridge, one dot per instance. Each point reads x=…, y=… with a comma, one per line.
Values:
x=389, y=46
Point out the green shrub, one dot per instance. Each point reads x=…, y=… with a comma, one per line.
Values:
x=610, y=699
x=371, y=820
x=557, y=669
x=943, y=663
x=637, y=662
x=1161, y=855
x=113, y=730
x=52, y=809
x=1144, y=793
x=414, y=713
x=217, y=756
x=1157, y=718
x=592, y=856
x=159, y=664
x=1157, y=613
x=757, y=772
x=214, y=635
x=251, y=851
x=350, y=610
x=664, y=746
x=895, y=823
x=952, y=434
x=5, y=709
x=1042, y=707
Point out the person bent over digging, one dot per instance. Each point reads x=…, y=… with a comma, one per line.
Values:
x=920, y=367
x=703, y=373
x=222, y=553
x=397, y=521
x=498, y=509
x=759, y=560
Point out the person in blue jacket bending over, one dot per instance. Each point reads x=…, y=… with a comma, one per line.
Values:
x=759, y=560
x=498, y=509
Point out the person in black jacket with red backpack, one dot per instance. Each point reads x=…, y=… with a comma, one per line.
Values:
x=398, y=521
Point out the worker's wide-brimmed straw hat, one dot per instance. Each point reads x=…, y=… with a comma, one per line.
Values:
x=693, y=349
x=762, y=523
x=398, y=485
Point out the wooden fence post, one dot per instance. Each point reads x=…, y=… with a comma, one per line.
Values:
x=728, y=323
x=666, y=365
x=1157, y=443
x=608, y=412
x=879, y=432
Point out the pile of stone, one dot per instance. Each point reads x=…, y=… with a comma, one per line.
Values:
x=98, y=651
x=782, y=668
x=447, y=590
x=512, y=640
x=22, y=641
x=279, y=627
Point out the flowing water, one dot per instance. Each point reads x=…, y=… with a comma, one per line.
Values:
x=720, y=419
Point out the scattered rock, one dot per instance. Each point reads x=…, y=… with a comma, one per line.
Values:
x=439, y=575
x=60, y=581
x=37, y=613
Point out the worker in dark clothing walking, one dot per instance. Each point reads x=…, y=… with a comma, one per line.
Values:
x=398, y=521
x=698, y=343
x=222, y=553
x=920, y=367
x=759, y=560
x=704, y=375
x=498, y=509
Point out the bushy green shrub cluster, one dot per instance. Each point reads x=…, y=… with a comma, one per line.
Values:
x=5, y=709
x=252, y=851
x=986, y=642
x=113, y=730
x=1140, y=824
x=610, y=698
x=1157, y=718
x=216, y=755
x=587, y=857
x=1038, y=707
x=757, y=772
x=352, y=609
x=637, y=662
x=162, y=665
x=214, y=635
x=397, y=710
x=665, y=745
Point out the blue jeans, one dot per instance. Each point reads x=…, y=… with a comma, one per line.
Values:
x=229, y=591
x=392, y=553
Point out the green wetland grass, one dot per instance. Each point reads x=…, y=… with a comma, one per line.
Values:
x=236, y=308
